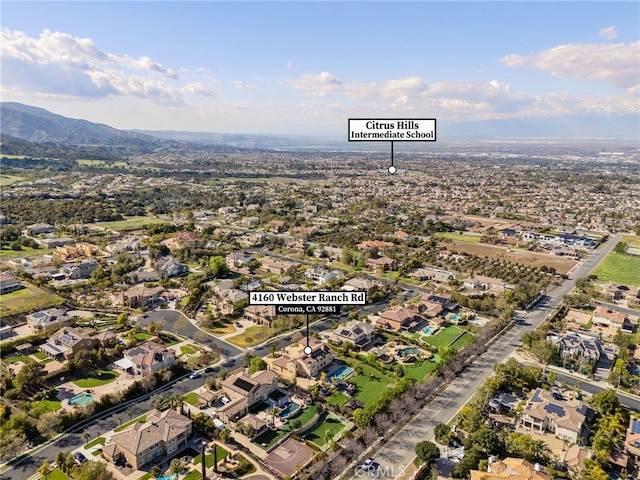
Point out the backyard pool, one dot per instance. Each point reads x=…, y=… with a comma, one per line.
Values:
x=429, y=330
x=406, y=351
x=168, y=477
x=341, y=373
x=289, y=409
x=81, y=399
x=456, y=318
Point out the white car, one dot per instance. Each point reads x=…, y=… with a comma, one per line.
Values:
x=368, y=465
x=194, y=375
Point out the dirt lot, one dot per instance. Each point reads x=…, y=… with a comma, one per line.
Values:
x=562, y=265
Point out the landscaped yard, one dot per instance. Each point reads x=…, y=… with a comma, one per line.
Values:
x=191, y=398
x=337, y=399
x=222, y=326
x=443, y=337
x=51, y=405
x=463, y=340
x=251, y=336
x=187, y=350
x=329, y=427
x=269, y=437
x=18, y=358
x=421, y=371
x=371, y=384
x=58, y=474
x=7, y=254
x=619, y=268
x=143, y=337
x=96, y=379
x=95, y=441
x=208, y=458
x=28, y=299
x=40, y=355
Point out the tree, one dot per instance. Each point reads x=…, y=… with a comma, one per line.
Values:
x=130, y=413
x=273, y=348
x=442, y=432
x=30, y=376
x=177, y=466
x=257, y=364
x=218, y=267
x=606, y=403
x=48, y=424
x=486, y=440
x=427, y=452
x=45, y=469
x=86, y=436
x=93, y=470
x=155, y=471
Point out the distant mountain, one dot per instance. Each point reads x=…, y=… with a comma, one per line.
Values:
x=39, y=125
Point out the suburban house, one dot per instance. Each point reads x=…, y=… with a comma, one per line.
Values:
x=146, y=358
x=443, y=299
x=39, y=321
x=82, y=270
x=632, y=442
x=482, y=283
x=9, y=283
x=238, y=259
x=360, y=284
x=574, y=346
x=398, y=318
x=38, y=228
x=375, y=245
x=138, y=296
x=82, y=249
x=127, y=244
x=612, y=319
x=510, y=469
x=162, y=435
x=550, y=412
x=359, y=334
x=168, y=267
x=320, y=276
x=300, y=364
x=274, y=265
x=244, y=390
x=66, y=342
x=55, y=242
x=435, y=274
x=382, y=263
x=260, y=314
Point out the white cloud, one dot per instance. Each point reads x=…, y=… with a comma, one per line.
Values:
x=617, y=64
x=58, y=63
x=245, y=86
x=289, y=65
x=609, y=33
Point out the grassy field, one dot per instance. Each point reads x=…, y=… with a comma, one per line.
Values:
x=131, y=223
x=251, y=336
x=222, y=326
x=619, y=268
x=101, y=163
x=191, y=398
x=96, y=379
x=443, y=337
x=58, y=474
x=421, y=371
x=632, y=240
x=458, y=237
x=187, y=350
x=141, y=336
x=29, y=299
x=7, y=254
x=337, y=399
x=6, y=180
x=18, y=358
x=464, y=339
x=269, y=437
x=329, y=427
x=40, y=355
x=371, y=384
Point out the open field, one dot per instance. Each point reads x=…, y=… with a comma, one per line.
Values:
x=8, y=254
x=620, y=269
x=632, y=240
x=458, y=237
x=442, y=338
x=29, y=299
x=101, y=163
x=525, y=257
x=371, y=384
x=6, y=180
x=251, y=336
x=131, y=223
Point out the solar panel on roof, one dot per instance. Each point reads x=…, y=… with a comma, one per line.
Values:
x=243, y=384
x=536, y=396
x=555, y=409
x=635, y=426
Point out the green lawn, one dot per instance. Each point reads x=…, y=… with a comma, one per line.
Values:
x=464, y=339
x=251, y=336
x=52, y=405
x=58, y=474
x=329, y=427
x=443, y=337
x=191, y=398
x=269, y=437
x=142, y=336
x=371, y=384
x=187, y=350
x=140, y=419
x=619, y=268
x=193, y=475
x=633, y=241
x=40, y=355
x=28, y=299
x=19, y=358
x=337, y=399
x=421, y=371
x=96, y=379
x=131, y=223
x=208, y=458
x=96, y=441
x=458, y=237
x=7, y=254
x=222, y=326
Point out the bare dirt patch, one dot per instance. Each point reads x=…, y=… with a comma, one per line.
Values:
x=525, y=257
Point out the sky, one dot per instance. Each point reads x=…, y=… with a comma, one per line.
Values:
x=306, y=67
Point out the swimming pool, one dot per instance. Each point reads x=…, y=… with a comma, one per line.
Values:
x=341, y=372
x=81, y=399
x=168, y=477
x=289, y=409
x=406, y=351
x=429, y=330
x=456, y=317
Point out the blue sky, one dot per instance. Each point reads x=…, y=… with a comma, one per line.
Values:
x=306, y=67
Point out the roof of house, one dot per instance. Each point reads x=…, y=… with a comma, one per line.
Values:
x=510, y=469
x=158, y=427
x=566, y=413
x=148, y=354
x=398, y=314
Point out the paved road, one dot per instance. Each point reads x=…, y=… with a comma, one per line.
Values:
x=398, y=453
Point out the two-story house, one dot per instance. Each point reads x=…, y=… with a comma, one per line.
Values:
x=398, y=318
x=146, y=358
x=244, y=390
x=359, y=334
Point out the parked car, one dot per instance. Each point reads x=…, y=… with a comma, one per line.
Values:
x=80, y=458
x=368, y=465
x=195, y=375
x=208, y=370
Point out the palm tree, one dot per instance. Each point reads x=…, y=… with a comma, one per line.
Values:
x=130, y=413
x=274, y=413
x=86, y=436
x=45, y=469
